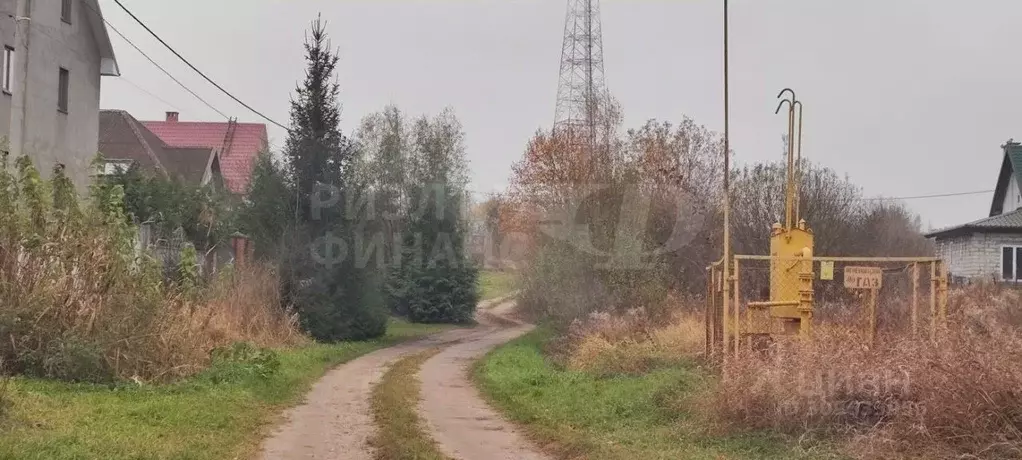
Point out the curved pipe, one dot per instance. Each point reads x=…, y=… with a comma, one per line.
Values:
x=779, y=104
x=789, y=90
x=798, y=165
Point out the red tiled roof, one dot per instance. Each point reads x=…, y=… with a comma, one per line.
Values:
x=236, y=160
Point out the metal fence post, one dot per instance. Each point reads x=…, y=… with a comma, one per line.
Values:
x=934, y=287
x=708, y=317
x=737, y=313
x=873, y=316
x=915, y=299
x=725, y=317
x=942, y=293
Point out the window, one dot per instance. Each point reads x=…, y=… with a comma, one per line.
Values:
x=65, y=10
x=113, y=167
x=7, y=71
x=62, y=92
x=1011, y=258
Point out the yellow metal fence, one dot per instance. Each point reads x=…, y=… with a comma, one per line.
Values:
x=877, y=295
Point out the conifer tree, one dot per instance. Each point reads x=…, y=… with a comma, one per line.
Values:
x=436, y=282
x=337, y=299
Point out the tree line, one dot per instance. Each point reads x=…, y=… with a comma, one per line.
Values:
x=358, y=227
x=645, y=215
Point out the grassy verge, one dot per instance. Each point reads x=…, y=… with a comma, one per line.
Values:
x=493, y=284
x=401, y=434
x=579, y=415
x=214, y=415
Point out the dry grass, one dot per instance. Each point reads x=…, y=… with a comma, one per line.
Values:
x=906, y=397
x=400, y=431
x=633, y=344
x=81, y=303
x=242, y=306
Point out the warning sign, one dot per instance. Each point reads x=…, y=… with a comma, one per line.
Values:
x=864, y=277
x=827, y=270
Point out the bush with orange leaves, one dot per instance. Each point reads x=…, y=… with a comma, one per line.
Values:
x=585, y=203
x=959, y=396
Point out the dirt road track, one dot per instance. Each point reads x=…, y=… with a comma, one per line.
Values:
x=335, y=422
x=464, y=426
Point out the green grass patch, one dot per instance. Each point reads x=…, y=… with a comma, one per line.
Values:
x=579, y=415
x=494, y=284
x=400, y=432
x=219, y=414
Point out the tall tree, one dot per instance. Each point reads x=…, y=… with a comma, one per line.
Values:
x=338, y=299
x=435, y=281
x=316, y=149
x=384, y=140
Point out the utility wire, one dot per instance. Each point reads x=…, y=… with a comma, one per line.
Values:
x=158, y=66
x=919, y=197
x=154, y=96
x=239, y=101
x=892, y=198
x=210, y=80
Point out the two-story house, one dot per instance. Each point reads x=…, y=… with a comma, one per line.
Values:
x=54, y=53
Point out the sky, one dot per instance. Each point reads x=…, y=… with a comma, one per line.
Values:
x=904, y=97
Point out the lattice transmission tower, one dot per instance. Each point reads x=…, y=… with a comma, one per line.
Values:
x=581, y=90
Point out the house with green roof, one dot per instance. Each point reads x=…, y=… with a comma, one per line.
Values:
x=990, y=248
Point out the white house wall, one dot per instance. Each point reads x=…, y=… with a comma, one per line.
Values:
x=1012, y=198
x=31, y=121
x=977, y=255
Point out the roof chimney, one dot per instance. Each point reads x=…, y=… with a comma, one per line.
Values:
x=172, y=117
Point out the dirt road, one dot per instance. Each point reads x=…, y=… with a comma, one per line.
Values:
x=464, y=426
x=335, y=422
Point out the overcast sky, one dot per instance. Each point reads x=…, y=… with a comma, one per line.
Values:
x=906, y=97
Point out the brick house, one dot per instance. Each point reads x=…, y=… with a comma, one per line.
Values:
x=990, y=248
x=239, y=144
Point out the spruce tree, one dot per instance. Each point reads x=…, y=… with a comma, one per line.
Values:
x=435, y=282
x=337, y=300
x=268, y=211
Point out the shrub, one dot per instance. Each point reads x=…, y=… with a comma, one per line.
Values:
x=445, y=294
x=341, y=305
x=435, y=282
x=81, y=304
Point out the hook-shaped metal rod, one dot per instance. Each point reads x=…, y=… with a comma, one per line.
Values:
x=787, y=90
x=798, y=165
x=780, y=104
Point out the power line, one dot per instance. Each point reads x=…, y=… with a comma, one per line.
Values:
x=158, y=66
x=919, y=197
x=210, y=80
x=121, y=78
x=881, y=198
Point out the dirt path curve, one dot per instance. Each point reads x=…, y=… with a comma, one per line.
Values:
x=462, y=424
x=335, y=422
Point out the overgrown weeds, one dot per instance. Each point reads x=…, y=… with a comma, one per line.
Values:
x=632, y=343
x=906, y=397
x=5, y=398
x=82, y=303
